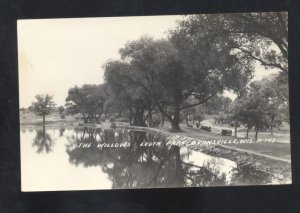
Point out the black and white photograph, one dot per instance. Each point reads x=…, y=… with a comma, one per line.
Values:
x=166, y=101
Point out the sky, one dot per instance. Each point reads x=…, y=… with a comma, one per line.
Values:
x=57, y=54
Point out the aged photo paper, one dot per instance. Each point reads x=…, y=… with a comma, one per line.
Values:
x=154, y=101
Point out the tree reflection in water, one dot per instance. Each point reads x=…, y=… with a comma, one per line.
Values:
x=61, y=132
x=137, y=166
x=43, y=141
x=89, y=157
x=248, y=175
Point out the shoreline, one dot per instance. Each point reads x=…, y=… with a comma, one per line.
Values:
x=278, y=168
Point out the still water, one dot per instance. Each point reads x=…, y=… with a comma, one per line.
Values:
x=64, y=158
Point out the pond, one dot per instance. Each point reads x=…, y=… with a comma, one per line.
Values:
x=66, y=158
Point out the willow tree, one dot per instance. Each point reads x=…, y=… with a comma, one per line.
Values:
x=261, y=37
x=125, y=94
x=88, y=100
x=173, y=70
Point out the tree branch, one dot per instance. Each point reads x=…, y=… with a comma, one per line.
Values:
x=199, y=103
x=262, y=61
x=263, y=31
x=282, y=25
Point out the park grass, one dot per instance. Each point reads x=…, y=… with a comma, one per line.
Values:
x=282, y=150
x=29, y=118
x=276, y=149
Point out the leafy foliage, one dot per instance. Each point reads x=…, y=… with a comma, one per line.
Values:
x=166, y=72
x=43, y=106
x=88, y=100
x=261, y=107
x=261, y=37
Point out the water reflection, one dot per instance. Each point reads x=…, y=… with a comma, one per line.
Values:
x=43, y=141
x=248, y=175
x=137, y=166
x=61, y=132
x=80, y=152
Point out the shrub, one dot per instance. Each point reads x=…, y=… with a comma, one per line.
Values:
x=112, y=119
x=123, y=119
x=156, y=120
x=102, y=118
x=199, y=117
x=182, y=117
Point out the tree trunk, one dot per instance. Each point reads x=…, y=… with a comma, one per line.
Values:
x=83, y=134
x=175, y=121
x=150, y=121
x=176, y=118
x=247, y=133
x=138, y=118
x=148, y=118
x=163, y=120
x=179, y=172
x=98, y=118
x=235, y=128
x=91, y=118
x=130, y=116
x=187, y=119
x=130, y=119
x=44, y=121
x=163, y=116
x=44, y=131
x=256, y=132
x=272, y=132
x=84, y=118
x=175, y=126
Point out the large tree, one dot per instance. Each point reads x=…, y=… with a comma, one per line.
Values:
x=261, y=107
x=203, y=56
x=174, y=70
x=61, y=111
x=261, y=37
x=125, y=94
x=43, y=106
x=88, y=100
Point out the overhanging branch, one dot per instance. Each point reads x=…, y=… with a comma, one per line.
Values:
x=262, y=61
x=198, y=103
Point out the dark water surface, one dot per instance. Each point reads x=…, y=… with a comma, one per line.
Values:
x=54, y=158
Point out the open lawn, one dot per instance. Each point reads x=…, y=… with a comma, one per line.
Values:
x=276, y=149
x=29, y=118
x=281, y=150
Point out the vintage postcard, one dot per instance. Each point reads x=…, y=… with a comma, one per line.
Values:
x=154, y=101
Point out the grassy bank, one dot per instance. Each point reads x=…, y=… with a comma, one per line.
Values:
x=279, y=168
x=277, y=149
